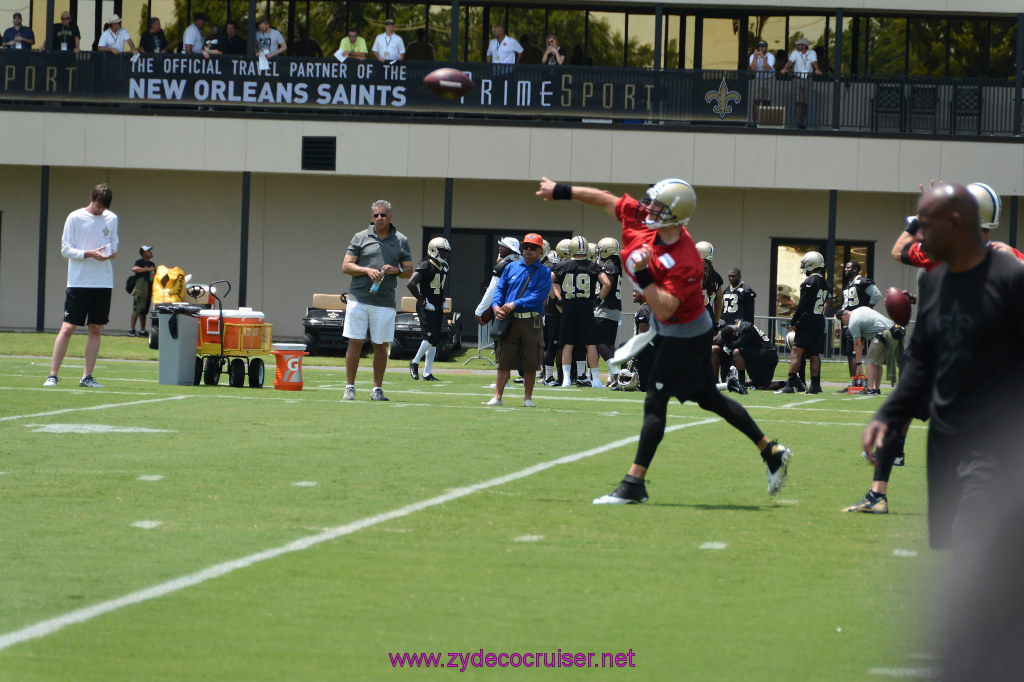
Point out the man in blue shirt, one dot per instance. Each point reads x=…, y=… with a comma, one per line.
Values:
x=19, y=37
x=521, y=292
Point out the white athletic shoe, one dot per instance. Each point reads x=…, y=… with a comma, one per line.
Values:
x=88, y=382
x=777, y=479
x=528, y=403
x=50, y=381
x=493, y=402
x=350, y=393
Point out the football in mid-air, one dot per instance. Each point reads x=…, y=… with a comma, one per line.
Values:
x=448, y=83
x=897, y=304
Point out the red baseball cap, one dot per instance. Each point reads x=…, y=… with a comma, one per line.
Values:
x=535, y=239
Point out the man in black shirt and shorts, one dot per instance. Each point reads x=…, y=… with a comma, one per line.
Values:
x=809, y=323
x=428, y=286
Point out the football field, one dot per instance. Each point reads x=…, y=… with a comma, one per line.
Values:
x=211, y=533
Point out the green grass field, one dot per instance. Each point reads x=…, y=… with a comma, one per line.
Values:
x=433, y=524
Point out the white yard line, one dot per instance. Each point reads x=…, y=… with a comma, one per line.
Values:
x=48, y=627
x=94, y=407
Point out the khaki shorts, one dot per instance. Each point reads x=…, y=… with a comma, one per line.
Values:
x=525, y=337
x=876, y=353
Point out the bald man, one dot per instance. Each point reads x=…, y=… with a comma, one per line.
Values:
x=975, y=432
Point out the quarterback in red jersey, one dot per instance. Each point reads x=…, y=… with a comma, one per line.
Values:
x=661, y=259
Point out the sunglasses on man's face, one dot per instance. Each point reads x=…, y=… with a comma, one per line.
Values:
x=380, y=215
x=529, y=247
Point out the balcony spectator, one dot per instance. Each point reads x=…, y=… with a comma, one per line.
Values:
x=353, y=45
x=531, y=53
x=269, y=41
x=154, y=39
x=502, y=49
x=554, y=54
x=19, y=37
x=389, y=47
x=762, y=65
x=115, y=37
x=579, y=58
x=66, y=36
x=193, y=42
x=227, y=43
x=420, y=50
x=306, y=46
x=804, y=61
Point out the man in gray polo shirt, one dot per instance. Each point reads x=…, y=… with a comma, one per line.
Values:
x=868, y=327
x=375, y=258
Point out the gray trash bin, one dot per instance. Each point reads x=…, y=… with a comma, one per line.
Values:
x=179, y=333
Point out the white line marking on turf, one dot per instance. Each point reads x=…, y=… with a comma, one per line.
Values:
x=304, y=484
x=909, y=553
x=713, y=545
x=925, y=656
x=150, y=477
x=94, y=407
x=528, y=538
x=52, y=625
x=799, y=404
x=90, y=428
x=787, y=501
x=147, y=525
x=905, y=672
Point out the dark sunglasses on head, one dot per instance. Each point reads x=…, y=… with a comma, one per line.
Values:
x=380, y=215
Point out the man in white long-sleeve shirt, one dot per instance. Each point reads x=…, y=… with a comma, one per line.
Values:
x=89, y=243
x=508, y=251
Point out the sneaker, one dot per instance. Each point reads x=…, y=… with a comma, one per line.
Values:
x=630, y=491
x=350, y=393
x=844, y=389
x=612, y=382
x=378, y=394
x=528, y=403
x=493, y=402
x=51, y=381
x=596, y=383
x=583, y=383
x=551, y=381
x=131, y=332
x=734, y=385
x=873, y=503
x=813, y=389
x=801, y=387
x=899, y=460
x=776, y=458
x=786, y=389
x=88, y=382
x=872, y=391
x=414, y=370
x=566, y=384
x=430, y=377
x=518, y=380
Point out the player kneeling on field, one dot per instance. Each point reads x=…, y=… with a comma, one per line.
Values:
x=752, y=352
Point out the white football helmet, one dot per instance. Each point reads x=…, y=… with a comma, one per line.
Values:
x=551, y=258
x=547, y=246
x=563, y=249
x=628, y=378
x=592, y=251
x=669, y=202
x=989, y=206
x=608, y=247
x=438, y=249
x=578, y=247
x=811, y=261
x=706, y=251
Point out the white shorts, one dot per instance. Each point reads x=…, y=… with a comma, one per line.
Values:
x=378, y=320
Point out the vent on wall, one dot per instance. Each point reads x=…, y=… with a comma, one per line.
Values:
x=319, y=153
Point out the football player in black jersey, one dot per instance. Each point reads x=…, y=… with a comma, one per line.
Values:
x=751, y=351
x=737, y=304
x=573, y=285
x=712, y=284
x=552, y=323
x=858, y=292
x=809, y=323
x=427, y=284
x=608, y=312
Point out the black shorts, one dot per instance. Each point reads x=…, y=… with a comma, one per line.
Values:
x=810, y=336
x=551, y=329
x=846, y=343
x=578, y=328
x=430, y=324
x=761, y=364
x=86, y=305
x=682, y=367
x=607, y=331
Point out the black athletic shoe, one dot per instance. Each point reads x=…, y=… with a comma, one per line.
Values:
x=776, y=459
x=414, y=370
x=734, y=385
x=131, y=332
x=786, y=389
x=899, y=460
x=583, y=383
x=844, y=389
x=517, y=380
x=872, y=391
x=873, y=503
x=430, y=377
x=800, y=386
x=813, y=389
x=631, y=491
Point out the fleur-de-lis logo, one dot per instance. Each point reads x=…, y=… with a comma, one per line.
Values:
x=724, y=98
